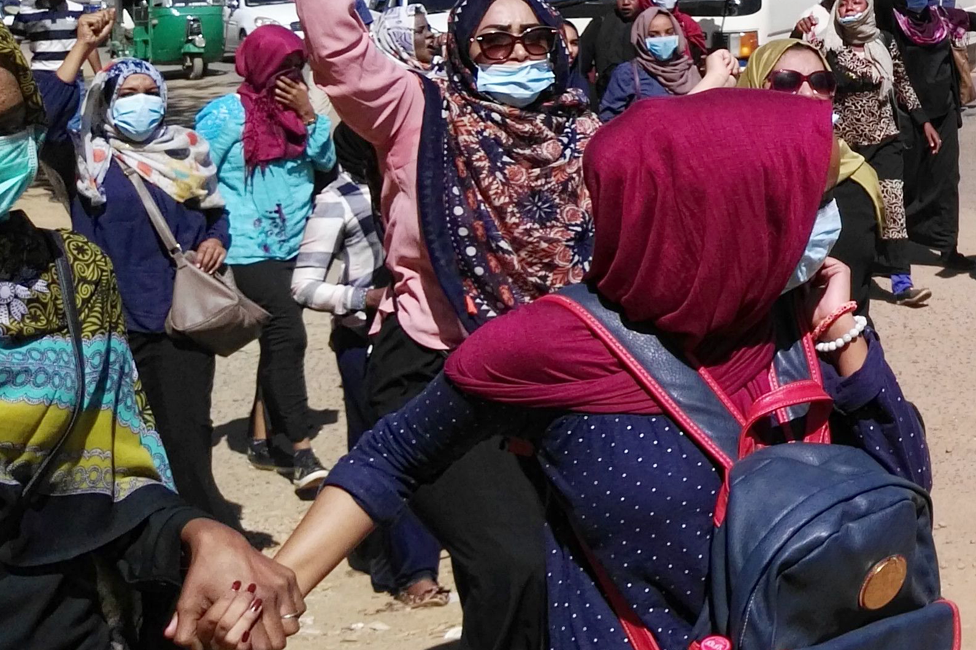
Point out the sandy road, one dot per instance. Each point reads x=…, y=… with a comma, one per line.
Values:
x=932, y=350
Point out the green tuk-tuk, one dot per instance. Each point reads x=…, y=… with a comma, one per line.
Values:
x=167, y=32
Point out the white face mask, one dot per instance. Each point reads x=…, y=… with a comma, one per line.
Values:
x=826, y=232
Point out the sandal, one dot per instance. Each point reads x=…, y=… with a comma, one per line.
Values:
x=435, y=596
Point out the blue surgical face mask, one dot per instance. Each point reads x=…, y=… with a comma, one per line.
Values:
x=137, y=116
x=826, y=231
x=917, y=6
x=18, y=166
x=515, y=85
x=852, y=19
x=666, y=4
x=662, y=48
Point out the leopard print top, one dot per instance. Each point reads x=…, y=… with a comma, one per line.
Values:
x=865, y=117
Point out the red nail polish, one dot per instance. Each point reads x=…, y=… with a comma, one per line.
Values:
x=256, y=605
x=246, y=636
x=252, y=587
x=236, y=586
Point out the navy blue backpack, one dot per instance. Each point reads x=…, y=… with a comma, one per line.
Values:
x=816, y=546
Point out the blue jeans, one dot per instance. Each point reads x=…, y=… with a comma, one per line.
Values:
x=403, y=553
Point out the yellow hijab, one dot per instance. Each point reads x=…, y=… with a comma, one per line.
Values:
x=853, y=166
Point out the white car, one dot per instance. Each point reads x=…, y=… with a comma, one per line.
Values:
x=241, y=17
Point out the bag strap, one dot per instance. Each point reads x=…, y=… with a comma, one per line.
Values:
x=718, y=427
x=66, y=283
x=715, y=427
x=155, y=217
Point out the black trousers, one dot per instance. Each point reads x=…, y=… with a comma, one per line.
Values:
x=932, y=187
x=281, y=370
x=178, y=379
x=858, y=238
x=398, y=555
x=483, y=509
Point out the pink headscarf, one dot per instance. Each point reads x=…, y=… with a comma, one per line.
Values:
x=271, y=131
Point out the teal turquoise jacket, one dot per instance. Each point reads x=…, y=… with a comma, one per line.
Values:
x=268, y=207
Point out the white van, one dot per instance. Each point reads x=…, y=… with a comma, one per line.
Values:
x=580, y=12
x=744, y=25
x=739, y=25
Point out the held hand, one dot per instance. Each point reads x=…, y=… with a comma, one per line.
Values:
x=828, y=291
x=294, y=95
x=210, y=255
x=932, y=136
x=94, y=29
x=807, y=25
x=219, y=555
x=231, y=619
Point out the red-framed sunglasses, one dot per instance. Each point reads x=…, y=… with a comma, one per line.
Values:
x=537, y=41
x=790, y=81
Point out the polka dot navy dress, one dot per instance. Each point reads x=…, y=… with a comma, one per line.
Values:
x=639, y=491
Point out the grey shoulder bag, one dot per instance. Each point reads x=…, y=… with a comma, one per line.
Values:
x=207, y=309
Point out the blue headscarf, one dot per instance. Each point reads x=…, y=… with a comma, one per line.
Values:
x=503, y=208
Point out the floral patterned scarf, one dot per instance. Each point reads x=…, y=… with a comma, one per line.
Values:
x=503, y=208
x=174, y=159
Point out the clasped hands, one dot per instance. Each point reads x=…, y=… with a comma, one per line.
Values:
x=233, y=597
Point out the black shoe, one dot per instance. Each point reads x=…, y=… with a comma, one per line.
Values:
x=309, y=472
x=259, y=454
x=912, y=297
x=956, y=261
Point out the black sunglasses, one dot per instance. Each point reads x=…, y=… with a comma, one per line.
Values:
x=498, y=46
x=790, y=81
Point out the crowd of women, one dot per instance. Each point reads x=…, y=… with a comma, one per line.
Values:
x=471, y=175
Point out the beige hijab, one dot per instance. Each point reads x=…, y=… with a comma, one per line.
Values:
x=679, y=75
x=863, y=32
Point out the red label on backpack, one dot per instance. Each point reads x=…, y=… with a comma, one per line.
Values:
x=716, y=643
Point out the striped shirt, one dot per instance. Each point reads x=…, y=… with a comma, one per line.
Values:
x=50, y=32
x=341, y=226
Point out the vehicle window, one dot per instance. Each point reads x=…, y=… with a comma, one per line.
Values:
x=582, y=7
x=721, y=7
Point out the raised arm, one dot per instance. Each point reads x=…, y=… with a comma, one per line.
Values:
x=374, y=481
x=371, y=93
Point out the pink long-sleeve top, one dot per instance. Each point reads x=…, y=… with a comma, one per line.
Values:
x=384, y=103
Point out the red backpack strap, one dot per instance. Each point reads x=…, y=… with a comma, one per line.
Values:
x=640, y=637
x=715, y=429
x=781, y=399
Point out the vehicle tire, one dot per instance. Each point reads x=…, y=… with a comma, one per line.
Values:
x=197, y=68
x=241, y=37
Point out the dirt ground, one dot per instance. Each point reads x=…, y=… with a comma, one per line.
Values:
x=932, y=351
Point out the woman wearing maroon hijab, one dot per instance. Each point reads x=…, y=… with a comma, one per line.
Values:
x=698, y=247
x=267, y=143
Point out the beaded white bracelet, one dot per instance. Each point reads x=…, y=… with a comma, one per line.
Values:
x=860, y=323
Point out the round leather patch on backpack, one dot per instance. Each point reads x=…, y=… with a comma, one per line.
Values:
x=716, y=643
x=883, y=582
